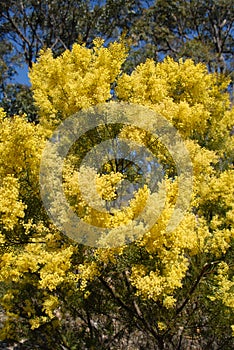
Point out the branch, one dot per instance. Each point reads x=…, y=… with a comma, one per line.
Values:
x=17, y=29
x=136, y=314
x=204, y=270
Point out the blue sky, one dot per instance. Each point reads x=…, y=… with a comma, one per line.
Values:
x=22, y=76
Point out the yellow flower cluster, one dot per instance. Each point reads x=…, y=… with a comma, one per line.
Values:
x=77, y=79
x=107, y=185
x=182, y=92
x=87, y=272
x=224, y=285
x=11, y=208
x=20, y=146
x=50, y=265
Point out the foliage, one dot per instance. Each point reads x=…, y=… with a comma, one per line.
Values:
x=201, y=30
x=35, y=25
x=28, y=26
x=165, y=290
x=8, y=62
x=18, y=100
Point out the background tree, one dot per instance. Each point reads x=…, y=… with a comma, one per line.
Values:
x=33, y=25
x=201, y=30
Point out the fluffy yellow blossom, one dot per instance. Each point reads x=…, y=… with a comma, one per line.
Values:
x=77, y=79
x=37, y=322
x=107, y=185
x=11, y=208
x=50, y=304
x=162, y=326
x=169, y=301
x=87, y=272
x=223, y=286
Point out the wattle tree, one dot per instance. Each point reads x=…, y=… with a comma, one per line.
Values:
x=164, y=289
